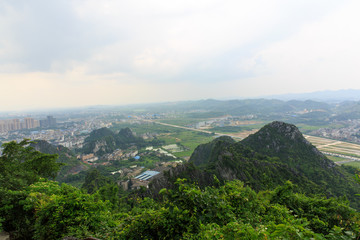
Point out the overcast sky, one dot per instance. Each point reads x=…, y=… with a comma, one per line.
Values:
x=75, y=52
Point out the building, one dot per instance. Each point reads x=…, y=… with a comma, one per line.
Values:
x=16, y=124
x=145, y=176
x=43, y=123
x=51, y=121
x=137, y=184
x=89, y=158
x=30, y=123
x=143, y=179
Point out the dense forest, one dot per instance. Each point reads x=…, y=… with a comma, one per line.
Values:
x=247, y=195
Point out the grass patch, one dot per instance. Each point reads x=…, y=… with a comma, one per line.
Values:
x=355, y=164
x=305, y=127
x=189, y=139
x=235, y=129
x=336, y=159
x=181, y=121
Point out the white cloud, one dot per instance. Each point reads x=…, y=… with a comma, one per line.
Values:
x=322, y=55
x=67, y=51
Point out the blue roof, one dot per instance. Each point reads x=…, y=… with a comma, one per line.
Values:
x=147, y=175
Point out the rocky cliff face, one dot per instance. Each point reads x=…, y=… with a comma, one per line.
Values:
x=104, y=146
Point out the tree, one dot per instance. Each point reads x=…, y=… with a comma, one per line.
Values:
x=94, y=180
x=21, y=166
x=67, y=211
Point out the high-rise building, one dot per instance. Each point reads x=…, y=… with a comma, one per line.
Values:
x=29, y=123
x=3, y=127
x=36, y=123
x=16, y=123
x=51, y=121
x=26, y=123
x=10, y=125
x=43, y=123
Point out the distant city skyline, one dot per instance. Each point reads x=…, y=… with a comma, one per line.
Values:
x=7, y=125
x=81, y=53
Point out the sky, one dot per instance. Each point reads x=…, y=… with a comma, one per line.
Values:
x=71, y=53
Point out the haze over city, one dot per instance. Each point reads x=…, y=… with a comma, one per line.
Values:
x=80, y=53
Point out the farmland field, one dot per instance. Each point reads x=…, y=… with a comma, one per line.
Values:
x=334, y=146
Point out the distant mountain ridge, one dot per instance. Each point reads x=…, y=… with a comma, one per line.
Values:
x=240, y=107
x=335, y=96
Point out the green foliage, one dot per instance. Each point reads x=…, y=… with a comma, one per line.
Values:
x=66, y=157
x=230, y=160
x=15, y=219
x=21, y=165
x=207, y=153
x=323, y=214
x=110, y=141
x=286, y=143
x=94, y=180
x=37, y=208
x=66, y=211
x=237, y=212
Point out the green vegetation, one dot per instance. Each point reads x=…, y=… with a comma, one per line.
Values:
x=189, y=139
x=201, y=115
x=103, y=140
x=71, y=165
x=232, y=211
x=21, y=166
x=234, y=129
x=308, y=128
x=144, y=128
x=263, y=205
x=285, y=142
x=353, y=164
x=336, y=159
x=171, y=135
x=182, y=121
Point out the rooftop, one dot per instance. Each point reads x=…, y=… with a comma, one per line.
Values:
x=147, y=175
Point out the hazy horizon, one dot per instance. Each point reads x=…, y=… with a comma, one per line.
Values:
x=68, y=54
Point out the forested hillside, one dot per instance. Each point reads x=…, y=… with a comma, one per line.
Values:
x=72, y=166
x=264, y=187
x=275, y=154
x=103, y=140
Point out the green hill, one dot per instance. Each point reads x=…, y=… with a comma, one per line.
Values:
x=72, y=166
x=275, y=154
x=286, y=142
x=103, y=140
x=34, y=207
